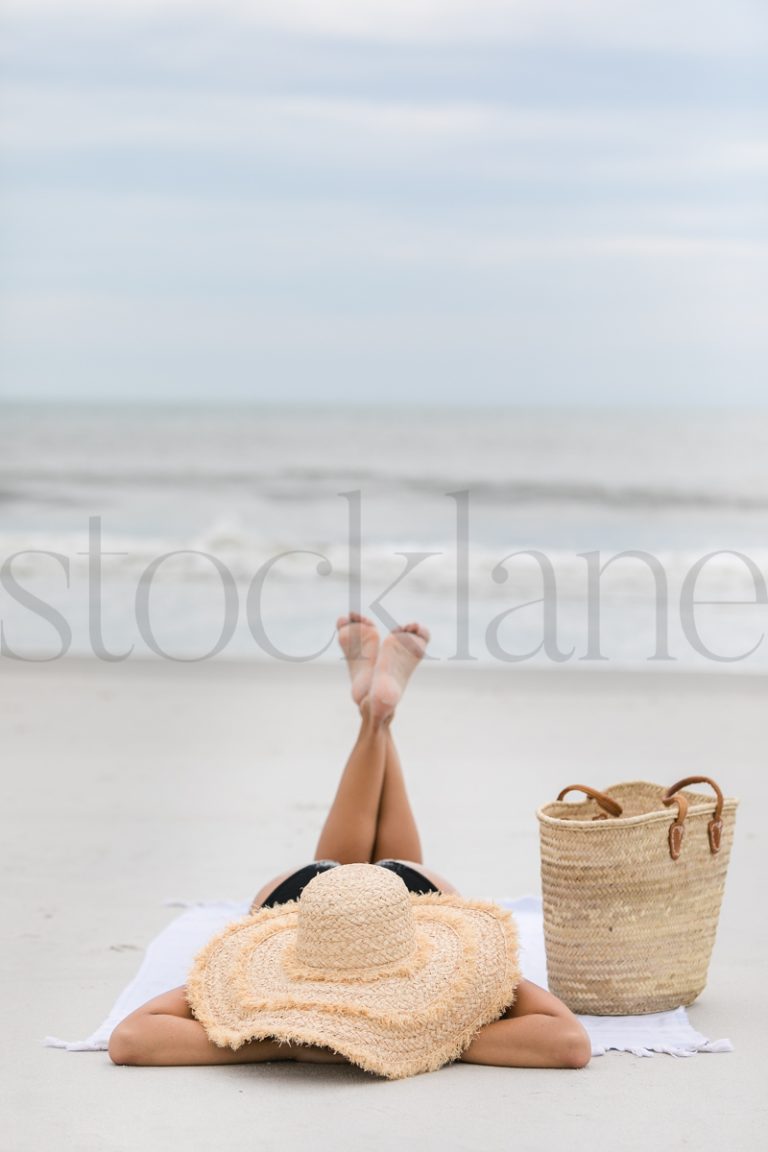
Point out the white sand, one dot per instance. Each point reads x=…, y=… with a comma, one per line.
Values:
x=126, y=784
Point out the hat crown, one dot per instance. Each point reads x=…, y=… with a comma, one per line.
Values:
x=356, y=916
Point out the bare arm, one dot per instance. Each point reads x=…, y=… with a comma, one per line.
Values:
x=538, y=1031
x=164, y=1032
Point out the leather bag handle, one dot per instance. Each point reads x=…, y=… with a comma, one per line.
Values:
x=715, y=825
x=609, y=805
x=677, y=827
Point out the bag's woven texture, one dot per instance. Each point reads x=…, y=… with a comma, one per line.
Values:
x=628, y=929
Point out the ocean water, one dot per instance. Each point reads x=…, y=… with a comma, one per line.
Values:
x=194, y=533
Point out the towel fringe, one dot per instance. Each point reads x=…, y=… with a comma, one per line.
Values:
x=73, y=1045
x=667, y=1049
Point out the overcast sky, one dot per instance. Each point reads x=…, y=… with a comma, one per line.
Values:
x=540, y=201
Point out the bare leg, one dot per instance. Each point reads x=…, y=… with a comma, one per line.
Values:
x=397, y=837
x=371, y=817
x=349, y=832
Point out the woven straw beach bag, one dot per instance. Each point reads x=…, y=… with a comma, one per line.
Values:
x=632, y=882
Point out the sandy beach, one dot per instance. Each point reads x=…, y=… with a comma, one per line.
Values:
x=433, y=312
x=130, y=784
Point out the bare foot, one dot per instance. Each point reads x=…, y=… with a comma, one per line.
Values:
x=359, y=642
x=399, y=654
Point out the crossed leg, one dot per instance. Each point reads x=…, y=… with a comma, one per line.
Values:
x=371, y=817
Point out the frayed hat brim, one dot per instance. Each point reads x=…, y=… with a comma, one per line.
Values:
x=245, y=985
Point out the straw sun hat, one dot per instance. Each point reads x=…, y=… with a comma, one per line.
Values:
x=395, y=982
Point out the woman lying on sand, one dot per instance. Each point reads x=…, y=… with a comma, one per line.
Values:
x=383, y=965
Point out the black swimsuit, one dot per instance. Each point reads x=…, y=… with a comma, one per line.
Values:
x=294, y=885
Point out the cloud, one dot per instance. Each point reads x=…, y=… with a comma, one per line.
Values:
x=687, y=26
x=511, y=142
x=455, y=195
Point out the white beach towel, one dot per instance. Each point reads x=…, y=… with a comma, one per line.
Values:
x=169, y=957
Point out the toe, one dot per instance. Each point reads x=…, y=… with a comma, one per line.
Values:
x=417, y=630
